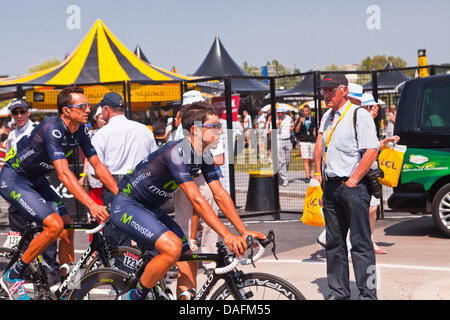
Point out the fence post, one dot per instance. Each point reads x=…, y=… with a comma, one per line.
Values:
x=380, y=213
x=125, y=95
x=19, y=91
x=230, y=140
x=274, y=144
x=317, y=98
x=129, y=100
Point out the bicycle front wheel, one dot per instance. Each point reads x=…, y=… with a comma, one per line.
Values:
x=101, y=284
x=260, y=286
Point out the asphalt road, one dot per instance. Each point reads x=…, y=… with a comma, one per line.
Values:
x=416, y=267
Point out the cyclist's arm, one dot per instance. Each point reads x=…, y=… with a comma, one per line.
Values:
x=69, y=180
x=103, y=174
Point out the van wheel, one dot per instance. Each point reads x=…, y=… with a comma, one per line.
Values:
x=441, y=209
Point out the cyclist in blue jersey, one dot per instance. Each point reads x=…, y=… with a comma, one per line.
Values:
x=135, y=209
x=22, y=182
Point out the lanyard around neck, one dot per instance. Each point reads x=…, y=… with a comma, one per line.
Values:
x=328, y=136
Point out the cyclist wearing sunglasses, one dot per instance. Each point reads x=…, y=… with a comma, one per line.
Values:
x=136, y=208
x=24, y=185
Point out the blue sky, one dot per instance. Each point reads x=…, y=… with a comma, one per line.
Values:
x=304, y=34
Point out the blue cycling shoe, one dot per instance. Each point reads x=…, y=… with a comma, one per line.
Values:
x=14, y=287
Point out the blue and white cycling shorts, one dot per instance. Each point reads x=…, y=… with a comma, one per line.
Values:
x=33, y=198
x=143, y=225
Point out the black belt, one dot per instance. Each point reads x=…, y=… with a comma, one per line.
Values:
x=337, y=179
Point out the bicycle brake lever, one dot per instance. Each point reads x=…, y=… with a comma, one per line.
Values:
x=271, y=236
x=250, y=241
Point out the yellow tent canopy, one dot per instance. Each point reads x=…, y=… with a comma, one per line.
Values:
x=97, y=61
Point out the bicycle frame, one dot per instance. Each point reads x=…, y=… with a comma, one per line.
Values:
x=97, y=245
x=221, y=260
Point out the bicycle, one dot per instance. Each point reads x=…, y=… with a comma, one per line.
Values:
x=110, y=283
x=125, y=258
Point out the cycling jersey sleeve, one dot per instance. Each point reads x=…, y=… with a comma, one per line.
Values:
x=85, y=142
x=53, y=139
x=177, y=165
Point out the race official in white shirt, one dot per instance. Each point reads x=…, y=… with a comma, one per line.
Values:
x=121, y=144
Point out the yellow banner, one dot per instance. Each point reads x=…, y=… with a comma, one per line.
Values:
x=150, y=93
x=46, y=97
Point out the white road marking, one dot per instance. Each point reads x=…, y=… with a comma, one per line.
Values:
x=382, y=265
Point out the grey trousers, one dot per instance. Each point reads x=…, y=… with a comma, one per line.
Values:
x=284, y=157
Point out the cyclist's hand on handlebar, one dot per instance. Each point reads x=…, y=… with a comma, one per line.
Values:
x=236, y=244
x=254, y=234
x=99, y=212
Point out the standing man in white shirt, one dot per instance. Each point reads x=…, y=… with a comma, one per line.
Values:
x=261, y=121
x=121, y=144
x=248, y=128
x=285, y=127
x=183, y=207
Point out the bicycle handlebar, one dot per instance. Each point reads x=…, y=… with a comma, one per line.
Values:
x=96, y=229
x=245, y=261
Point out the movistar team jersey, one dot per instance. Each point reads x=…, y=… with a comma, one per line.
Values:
x=51, y=140
x=156, y=178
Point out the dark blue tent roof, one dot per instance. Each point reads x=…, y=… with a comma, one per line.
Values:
x=388, y=80
x=218, y=63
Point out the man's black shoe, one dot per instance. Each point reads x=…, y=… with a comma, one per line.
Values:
x=332, y=297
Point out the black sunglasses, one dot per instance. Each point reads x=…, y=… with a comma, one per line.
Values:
x=15, y=112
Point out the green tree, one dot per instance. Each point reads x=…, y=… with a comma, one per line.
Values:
x=380, y=61
x=251, y=70
x=332, y=67
x=46, y=64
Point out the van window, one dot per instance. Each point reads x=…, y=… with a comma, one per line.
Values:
x=435, y=108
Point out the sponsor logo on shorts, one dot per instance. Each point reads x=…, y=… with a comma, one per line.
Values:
x=16, y=196
x=136, y=226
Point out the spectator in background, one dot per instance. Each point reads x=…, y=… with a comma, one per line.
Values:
x=95, y=186
x=285, y=127
x=247, y=128
x=121, y=144
x=261, y=123
x=4, y=132
x=306, y=132
x=391, y=121
x=269, y=137
x=184, y=214
x=168, y=131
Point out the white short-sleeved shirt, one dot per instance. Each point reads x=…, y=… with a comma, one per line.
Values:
x=285, y=128
x=122, y=143
x=17, y=134
x=344, y=152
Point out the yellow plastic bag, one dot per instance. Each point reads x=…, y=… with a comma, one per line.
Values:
x=390, y=161
x=312, y=213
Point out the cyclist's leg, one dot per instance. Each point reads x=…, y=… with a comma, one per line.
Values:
x=52, y=227
x=23, y=194
x=145, y=227
x=66, y=251
x=187, y=275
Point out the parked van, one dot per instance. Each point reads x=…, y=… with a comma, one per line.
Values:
x=423, y=124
